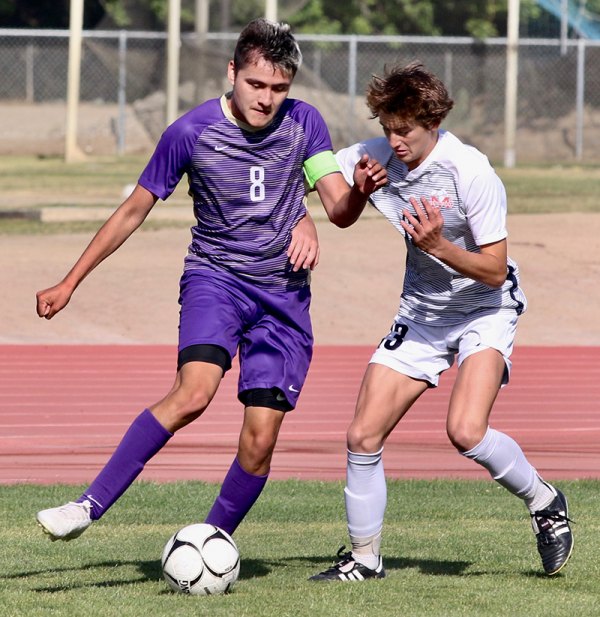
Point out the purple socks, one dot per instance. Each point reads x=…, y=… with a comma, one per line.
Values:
x=239, y=491
x=144, y=438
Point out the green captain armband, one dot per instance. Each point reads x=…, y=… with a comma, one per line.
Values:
x=318, y=166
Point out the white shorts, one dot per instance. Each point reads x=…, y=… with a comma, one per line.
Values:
x=423, y=351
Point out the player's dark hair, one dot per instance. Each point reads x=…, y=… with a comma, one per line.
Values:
x=269, y=40
x=411, y=93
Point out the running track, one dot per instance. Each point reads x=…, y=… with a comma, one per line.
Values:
x=64, y=408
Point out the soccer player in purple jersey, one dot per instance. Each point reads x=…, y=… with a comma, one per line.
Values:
x=249, y=157
x=461, y=300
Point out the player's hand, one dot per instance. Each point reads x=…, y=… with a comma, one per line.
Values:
x=304, y=251
x=52, y=300
x=425, y=228
x=369, y=175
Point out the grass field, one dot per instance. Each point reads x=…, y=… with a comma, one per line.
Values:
x=451, y=548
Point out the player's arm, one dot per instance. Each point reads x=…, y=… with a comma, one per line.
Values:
x=488, y=266
x=304, y=249
x=122, y=223
x=345, y=204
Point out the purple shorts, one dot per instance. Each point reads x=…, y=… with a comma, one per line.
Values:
x=272, y=331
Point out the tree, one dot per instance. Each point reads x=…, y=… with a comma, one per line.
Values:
x=477, y=18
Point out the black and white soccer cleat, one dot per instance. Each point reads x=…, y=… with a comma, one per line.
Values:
x=347, y=569
x=553, y=533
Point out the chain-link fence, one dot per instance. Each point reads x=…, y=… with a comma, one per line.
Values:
x=123, y=99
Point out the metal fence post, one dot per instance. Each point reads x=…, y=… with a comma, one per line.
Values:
x=352, y=53
x=29, y=76
x=122, y=93
x=579, y=99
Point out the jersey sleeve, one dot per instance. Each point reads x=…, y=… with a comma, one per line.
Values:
x=347, y=159
x=317, y=134
x=485, y=201
x=170, y=161
x=377, y=148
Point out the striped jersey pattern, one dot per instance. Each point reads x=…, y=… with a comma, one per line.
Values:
x=459, y=180
x=247, y=187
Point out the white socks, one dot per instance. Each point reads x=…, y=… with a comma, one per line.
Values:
x=506, y=462
x=366, y=499
x=366, y=493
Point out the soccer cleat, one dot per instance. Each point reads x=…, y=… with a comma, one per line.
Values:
x=65, y=522
x=553, y=533
x=347, y=569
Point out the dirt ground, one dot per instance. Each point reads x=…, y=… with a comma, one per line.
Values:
x=132, y=297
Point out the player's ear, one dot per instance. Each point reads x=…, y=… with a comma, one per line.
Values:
x=231, y=72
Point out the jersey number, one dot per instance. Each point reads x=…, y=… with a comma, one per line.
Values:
x=394, y=339
x=257, y=185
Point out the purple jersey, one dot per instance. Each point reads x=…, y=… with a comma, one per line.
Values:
x=247, y=185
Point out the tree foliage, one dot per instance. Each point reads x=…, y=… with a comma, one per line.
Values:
x=478, y=18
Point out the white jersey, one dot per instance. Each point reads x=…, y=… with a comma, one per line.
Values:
x=460, y=181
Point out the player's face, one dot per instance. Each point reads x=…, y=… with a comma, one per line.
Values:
x=411, y=142
x=259, y=89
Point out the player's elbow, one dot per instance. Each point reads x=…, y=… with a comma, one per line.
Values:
x=343, y=223
x=495, y=280
x=343, y=219
x=339, y=220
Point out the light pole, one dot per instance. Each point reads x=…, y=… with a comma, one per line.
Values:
x=512, y=71
x=271, y=10
x=173, y=44
x=72, y=152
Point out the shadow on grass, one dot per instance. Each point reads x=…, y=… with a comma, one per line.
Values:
x=150, y=571
x=425, y=566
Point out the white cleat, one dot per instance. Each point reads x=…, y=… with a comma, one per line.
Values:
x=65, y=522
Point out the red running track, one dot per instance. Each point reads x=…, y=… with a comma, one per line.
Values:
x=63, y=409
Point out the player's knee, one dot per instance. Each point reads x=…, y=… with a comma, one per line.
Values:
x=256, y=452
x=187, y=404
x=465, y=436
x=260, y=446
x=361, y=438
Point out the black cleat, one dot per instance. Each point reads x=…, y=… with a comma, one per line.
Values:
x=554, y=536
x=349, y=570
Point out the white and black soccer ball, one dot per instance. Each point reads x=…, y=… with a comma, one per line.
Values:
x=201, y=560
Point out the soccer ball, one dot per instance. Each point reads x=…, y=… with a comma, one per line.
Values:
x=201, y=560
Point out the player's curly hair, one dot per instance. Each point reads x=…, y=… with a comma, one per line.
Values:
x=269, y=40
x=411, y=93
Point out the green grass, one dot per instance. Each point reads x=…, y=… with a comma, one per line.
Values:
x=452, y=548
x=30, y=183
x=102, y=178
x=536, y=190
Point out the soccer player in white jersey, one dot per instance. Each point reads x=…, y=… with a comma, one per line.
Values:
x=461, y=301
x=249, y=156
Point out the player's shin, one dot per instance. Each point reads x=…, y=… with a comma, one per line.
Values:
x=366, y=499
x=239, y=491
x=144, y=438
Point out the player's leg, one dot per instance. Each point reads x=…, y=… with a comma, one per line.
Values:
x=275, y=354
x=195, y=386
x=207, y=342
x=480, y=375
x=385, y=396
x=249, y=471
x=405, y=365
